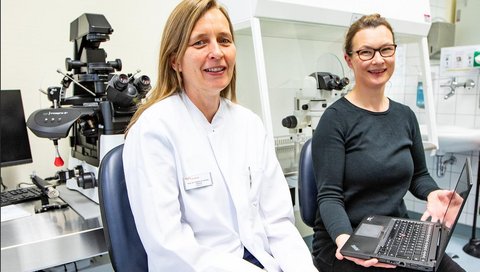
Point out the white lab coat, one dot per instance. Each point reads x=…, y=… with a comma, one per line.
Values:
x=238, y=197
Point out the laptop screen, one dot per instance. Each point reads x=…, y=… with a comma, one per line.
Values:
x=458, y=197
x=455, y=206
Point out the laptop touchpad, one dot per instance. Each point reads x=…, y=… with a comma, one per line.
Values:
x=369, y=230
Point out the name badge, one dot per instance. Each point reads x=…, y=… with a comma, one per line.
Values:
x=197, y=181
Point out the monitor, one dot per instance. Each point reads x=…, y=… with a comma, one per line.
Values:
x=14, y=144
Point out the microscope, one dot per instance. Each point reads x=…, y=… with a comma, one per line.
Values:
x=95, y=116
x=320, y=89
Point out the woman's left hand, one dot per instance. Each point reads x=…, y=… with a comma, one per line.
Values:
x=437, y=203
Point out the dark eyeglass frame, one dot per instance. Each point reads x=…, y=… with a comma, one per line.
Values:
x=379, y=50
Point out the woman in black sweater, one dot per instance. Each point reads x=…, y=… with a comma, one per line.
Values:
x=367, y=153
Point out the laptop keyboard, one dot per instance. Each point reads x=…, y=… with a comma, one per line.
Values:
x=408, y=240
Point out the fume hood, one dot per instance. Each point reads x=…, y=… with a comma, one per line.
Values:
x=279, y=42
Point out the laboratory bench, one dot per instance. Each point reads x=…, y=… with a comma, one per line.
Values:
x=43, y=240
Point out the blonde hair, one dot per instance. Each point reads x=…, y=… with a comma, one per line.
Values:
x=366, y=21
x=174, y=43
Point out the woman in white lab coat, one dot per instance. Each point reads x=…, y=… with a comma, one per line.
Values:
x=206, y=190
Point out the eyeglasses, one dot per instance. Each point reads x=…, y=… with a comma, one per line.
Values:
x=369, y=53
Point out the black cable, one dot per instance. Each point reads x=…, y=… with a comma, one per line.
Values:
x=4, y=187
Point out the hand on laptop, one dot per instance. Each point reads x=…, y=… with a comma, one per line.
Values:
x=437, y=203
x=342, y=239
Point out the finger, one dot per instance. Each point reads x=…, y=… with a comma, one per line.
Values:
x=384, y=265
x=374, y=262
x=425, y=216
x=371, y=262
x=338, y=255
x=353, y=259
x=358, y=261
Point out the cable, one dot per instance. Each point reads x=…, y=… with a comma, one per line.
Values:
x=4, y=187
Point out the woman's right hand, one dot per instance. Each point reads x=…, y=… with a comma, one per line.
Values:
x=342, y=239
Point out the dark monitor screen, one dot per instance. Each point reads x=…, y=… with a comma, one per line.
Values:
x=14, y=144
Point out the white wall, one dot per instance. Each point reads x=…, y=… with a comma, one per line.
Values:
x=35, y=42
x=466, y=22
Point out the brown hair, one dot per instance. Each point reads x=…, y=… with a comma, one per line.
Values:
x=366, y=21
x=174, y=43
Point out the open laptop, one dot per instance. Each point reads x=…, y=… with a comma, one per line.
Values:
x=399, y=241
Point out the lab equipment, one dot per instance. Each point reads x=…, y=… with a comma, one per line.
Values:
x=312, y=100
x=100, y=108
x=47, y=189
x=49, y=192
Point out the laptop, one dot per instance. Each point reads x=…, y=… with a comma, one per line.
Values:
x=414, y=244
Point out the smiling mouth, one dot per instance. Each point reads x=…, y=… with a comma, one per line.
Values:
x=215, y=69
x=377, y=71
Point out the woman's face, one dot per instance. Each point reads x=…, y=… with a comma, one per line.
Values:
x=376, y=72
x=208, y=64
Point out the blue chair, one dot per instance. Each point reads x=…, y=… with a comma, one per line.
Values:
x=307, y=186
x=124, y=245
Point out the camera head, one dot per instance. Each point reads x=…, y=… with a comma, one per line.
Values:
x=89, y=66
x=328, y=81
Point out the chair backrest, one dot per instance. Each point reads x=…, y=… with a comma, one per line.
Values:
x=124, y=245
x=307, y=186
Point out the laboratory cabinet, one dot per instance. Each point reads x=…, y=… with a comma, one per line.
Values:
x=287, y=48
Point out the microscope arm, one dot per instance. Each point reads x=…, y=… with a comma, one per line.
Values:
x=55, y=123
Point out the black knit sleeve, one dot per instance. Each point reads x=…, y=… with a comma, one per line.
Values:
x=422, y=183
x=328, y=152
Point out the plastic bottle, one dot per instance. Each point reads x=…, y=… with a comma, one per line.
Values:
x=420, y=99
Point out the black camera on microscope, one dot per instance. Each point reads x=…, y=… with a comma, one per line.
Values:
x=328, y=81
x=89, y=65
x=305, y=112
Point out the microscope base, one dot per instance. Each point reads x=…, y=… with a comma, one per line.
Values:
x=473, y=248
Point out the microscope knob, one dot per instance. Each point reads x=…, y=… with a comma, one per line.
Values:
x=290, y=121
x=73, y=64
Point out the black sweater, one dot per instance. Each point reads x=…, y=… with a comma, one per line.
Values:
x=364, y=164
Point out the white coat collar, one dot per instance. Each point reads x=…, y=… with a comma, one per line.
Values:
x=198, y=116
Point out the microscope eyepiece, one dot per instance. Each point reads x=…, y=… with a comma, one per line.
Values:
x=120, y=82
x=142, y=83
